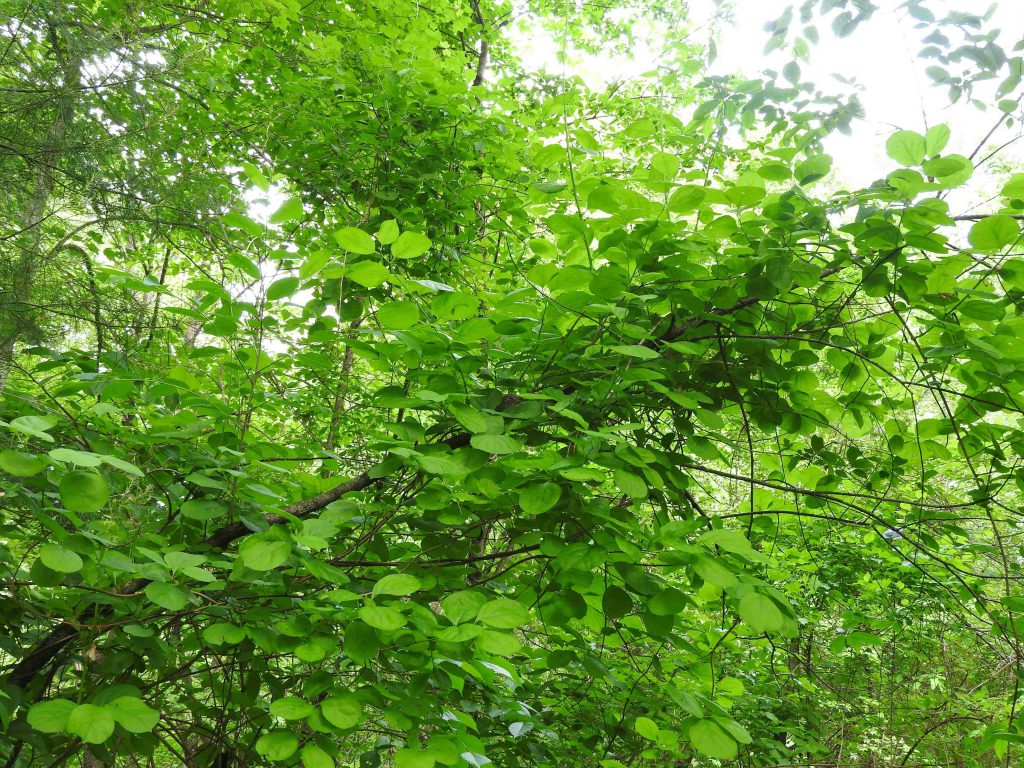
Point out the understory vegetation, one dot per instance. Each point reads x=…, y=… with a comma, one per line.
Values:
x=372, y=396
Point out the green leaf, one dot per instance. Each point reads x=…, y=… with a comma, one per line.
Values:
x=277, y=745
x=1014, y=188
x=166, y=595
x=123, y=465
x=314, y=263
x=36, y=426
x=667, y=602
x=504, y=614
x=730, y=540
x=203, y=509
x=57, y=558
x=774, y=171
x=382, y=617
x=355, y=241
x=78, y=458
x=256, y=176
x=84, y=492
x=50, y=716
x=369, y=274
x=945, y=167
x=994, y=232
x=360, y=643
x=21, y=464
x=290, y=210
x=342, y=711
x=539, y=498
x=631, y=484
x=646, y=728
x=709, y=739
x=906, y=147
x=713, y=571
x=388, y=232
x=473, y=420
x=495, y=444
x=90, y=723
x=399, y=584
x=812, y=169
x=133, y=714
x=409, y=245
x=286, y=286
x=760, y=612
x=616, y=602
x=935, y=139
x=291, y=708
x=398, y=315
x=264, y=554
x=413, y=758
x=314, y=757
x=635, y=350
x=462, y=606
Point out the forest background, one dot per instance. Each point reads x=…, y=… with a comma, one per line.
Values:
x=519, y=383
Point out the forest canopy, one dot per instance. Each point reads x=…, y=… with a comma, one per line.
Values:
x=373, y=396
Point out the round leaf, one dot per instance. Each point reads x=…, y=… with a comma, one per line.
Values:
x=537, y=499
x=409, y=245
x=166, y=595
x=906, y=147
x=616, y=602
x=83, y=492
x=462, y=606
x=342, y=711
x=398, y=315
x=369, y=274
x=646, y=728
x=382, y=617
x=50, y=716
x=277, y=745
x=668, y=602
x=314, y=757
x=286, y=286
x=203, y=509
x=397, y=584
x=36, y=426
x=414, y=758
x=994, y=232
x=90, y=723
x=709, y=739
x=631, y=484
x=355, y=240
x=21, y=464
x=291, y=708
x=504, y=614
x=714, y=572
x=263, y=554
x=57, y=558
x=133, y=714
x=760, y=612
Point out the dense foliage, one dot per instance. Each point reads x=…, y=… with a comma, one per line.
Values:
x=368, y=398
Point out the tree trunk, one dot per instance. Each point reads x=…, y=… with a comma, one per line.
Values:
x=24, y=264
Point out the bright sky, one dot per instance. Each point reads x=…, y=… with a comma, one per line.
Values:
x=881, y=54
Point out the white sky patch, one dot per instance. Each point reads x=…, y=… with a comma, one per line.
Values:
x=881, y=55
x=261, y=205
